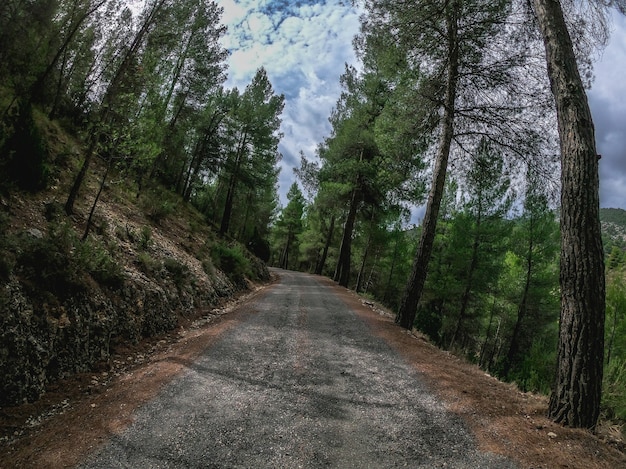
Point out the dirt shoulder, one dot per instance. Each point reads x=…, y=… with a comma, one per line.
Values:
x=78, y=414
x=59, y=430
x=504, y=420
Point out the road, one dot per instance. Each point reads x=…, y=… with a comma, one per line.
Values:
x=301, y=383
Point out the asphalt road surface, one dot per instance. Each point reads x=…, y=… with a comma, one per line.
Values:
x=302, y=383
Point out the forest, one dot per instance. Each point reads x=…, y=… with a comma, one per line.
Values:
x=458, y=107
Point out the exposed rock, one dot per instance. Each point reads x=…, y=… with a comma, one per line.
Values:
x=41, y=342
x=35, y=233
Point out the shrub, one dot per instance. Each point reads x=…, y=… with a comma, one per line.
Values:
x=145, y=237
x=178, y=271
x=96, y=259
x=208, y=267
x=147, y=263
x=231, y=260
x=158, y=206
x=614, y=389
x=536, y=371
x=47, y=262
x=59, y=262
x=53, y=211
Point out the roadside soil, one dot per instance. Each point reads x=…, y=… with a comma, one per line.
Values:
x=80, y=413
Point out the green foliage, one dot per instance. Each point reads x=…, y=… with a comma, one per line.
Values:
x=259, y=247
x=147, y=263
x=60, y=264
x=288, y=227
x=614, y=389
x=535, y=373
x=96, y=259
x=47, y=264
x=158, y=205
x=231, y=260
x=614, y=215
x=145, y=237
x=177, y=270
x=615, y=324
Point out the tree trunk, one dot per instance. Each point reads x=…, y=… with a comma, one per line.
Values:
x=575, y=399
x=234, y=178
x=228, y=205
x=95, y=202
x=483, y=348
x=284, y=258
x=359, y=279
x=470, y=282
x=521, y=310
x=80, y=177
x=342, y=273
x=415, y=285
x=394, y=260
x=320, y=265
x=107, y=101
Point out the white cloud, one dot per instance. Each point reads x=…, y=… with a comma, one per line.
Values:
x=304, y=48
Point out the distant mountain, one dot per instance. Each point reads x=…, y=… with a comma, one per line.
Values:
x=615, y=216
x=613, y=227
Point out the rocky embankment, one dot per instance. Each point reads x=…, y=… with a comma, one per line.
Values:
x=55, y=322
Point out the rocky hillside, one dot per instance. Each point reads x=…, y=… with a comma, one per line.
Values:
x=614, y=224
x=149, y=264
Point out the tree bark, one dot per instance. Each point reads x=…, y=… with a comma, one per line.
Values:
x=95, y=202
x=575, y=399
x=359, y=278
x=329, y=236
x=234, y=179
x=80, y=177
x=342, y=273
x=394, y=260
x=415, y=285
x=228, y=205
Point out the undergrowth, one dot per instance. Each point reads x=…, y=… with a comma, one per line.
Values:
x=231, y=260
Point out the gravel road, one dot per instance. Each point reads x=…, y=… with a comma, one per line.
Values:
x=302, y=383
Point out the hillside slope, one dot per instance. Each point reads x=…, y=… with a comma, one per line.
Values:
x=149, y=264
x=614, y=226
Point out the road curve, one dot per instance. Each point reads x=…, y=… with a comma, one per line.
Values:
x=301, y=383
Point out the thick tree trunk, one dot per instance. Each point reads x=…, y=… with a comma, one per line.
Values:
x=575, y=400
x=415, y=285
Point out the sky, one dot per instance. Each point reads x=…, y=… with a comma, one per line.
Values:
x=305, y=44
